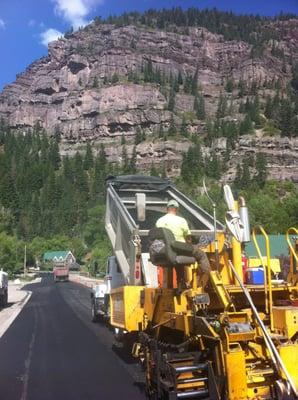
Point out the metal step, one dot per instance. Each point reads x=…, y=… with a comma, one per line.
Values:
x=193, y=394
x=190, y=368
x=183, y=358
x=191, y=380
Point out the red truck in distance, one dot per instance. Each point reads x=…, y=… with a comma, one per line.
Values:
x=61, y=273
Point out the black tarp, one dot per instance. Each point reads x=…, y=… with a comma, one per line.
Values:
x=140, y=182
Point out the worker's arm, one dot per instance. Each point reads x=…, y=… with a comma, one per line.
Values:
x=188, y=239
x=186, y=232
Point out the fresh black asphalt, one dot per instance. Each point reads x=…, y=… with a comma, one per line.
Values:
x=53, y=351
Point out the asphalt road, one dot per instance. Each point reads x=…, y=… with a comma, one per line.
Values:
x=53, y=351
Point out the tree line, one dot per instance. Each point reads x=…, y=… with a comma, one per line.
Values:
x=49, y=202
x=254, y=29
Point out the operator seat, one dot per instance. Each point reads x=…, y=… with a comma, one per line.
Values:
x=167, y=252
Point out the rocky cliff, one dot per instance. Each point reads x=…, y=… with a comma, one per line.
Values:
x=91, y=87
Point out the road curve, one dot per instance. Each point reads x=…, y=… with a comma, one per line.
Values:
x=53, y=351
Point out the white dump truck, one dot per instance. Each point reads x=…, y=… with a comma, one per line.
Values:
x=133, y=205
x=100, y=294
x=3, y=288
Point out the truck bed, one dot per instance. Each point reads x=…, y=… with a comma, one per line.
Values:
x=125, y=228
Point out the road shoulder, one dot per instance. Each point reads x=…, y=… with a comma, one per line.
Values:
x=17, y=299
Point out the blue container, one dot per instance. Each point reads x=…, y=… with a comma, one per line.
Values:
x=255, y=276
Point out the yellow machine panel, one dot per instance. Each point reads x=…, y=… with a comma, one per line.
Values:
x=289, y=355
x=286, y=320
x=236, y=376
x=126, y=309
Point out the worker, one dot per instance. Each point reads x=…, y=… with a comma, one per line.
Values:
x=177, y=225
x=180, y=229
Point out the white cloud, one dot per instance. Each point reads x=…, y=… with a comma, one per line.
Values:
x=2, y=24
x=49, y=35
x=76, y=11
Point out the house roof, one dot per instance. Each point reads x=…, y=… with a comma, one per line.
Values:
x=278, y=246
x=50, y=255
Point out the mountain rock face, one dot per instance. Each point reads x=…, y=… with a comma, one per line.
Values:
x=87, y=89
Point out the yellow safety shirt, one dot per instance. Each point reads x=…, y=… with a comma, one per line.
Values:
x=177, y=225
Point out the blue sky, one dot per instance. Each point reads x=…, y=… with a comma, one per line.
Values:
x=27, y=25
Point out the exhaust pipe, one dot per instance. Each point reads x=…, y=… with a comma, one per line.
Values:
x=243, y=212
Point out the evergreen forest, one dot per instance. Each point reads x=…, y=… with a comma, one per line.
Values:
x=49, y=202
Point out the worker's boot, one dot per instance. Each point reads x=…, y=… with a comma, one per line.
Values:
x=204, y=266
x=203, y=279
x=202, y=259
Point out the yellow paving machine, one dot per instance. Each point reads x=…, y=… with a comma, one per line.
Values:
x=220, y=337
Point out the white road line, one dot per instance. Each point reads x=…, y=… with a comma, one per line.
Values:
x=25, y=377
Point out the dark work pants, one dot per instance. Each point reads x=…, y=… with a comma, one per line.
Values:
x=202, y=259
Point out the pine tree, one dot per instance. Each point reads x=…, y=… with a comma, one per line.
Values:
x=54, y=155
x=199, y=106
x=286, y=118
x=175, y=85
x=8, y=194
x=241, y=88
x=100, y=171
x=138, y=137
x=295, y=125
x=261, y=169
x=268, y=108
x=229, y=85
x=81, y=184
x=148, y=71
x=194, y=83
x=52, y=191
x=102, y=158
x=78, y=163
x=180, y=79
x=67, y=169
x=254, y=111
x=221, y=107
x=172, y=128
x=125, y=160
x=153, y=170
x=294, y=81
x=171, y=103
x=188, y=82
x=95, y=83
x=192, y=167
x=183, y=129
x=133, y=161
x=115, y=78
x=213, y=168
x=254, y=88
x=88, y=160
x=238, y=177
x=161, y=132
x=246, y=126
x=245, y=178
x=241, y=108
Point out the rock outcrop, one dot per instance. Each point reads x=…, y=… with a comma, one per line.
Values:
x=82, y=90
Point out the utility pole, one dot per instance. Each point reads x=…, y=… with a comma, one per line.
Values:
x=25, y=260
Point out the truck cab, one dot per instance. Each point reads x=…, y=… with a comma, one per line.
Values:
x=100, y=294
x=3, y=288
x=61, y=273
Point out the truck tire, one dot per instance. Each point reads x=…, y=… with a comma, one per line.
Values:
x=5, y=298
x=94, y=316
